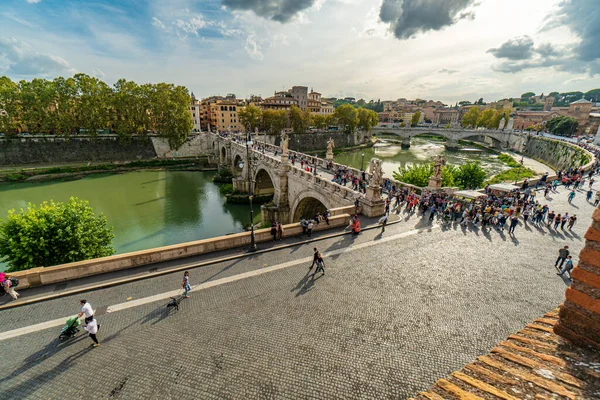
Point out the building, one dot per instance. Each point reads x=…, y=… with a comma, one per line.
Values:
x=195, y=113
x=300, y=93
x=580, y=110
x=280, y=101
x=218, y=113
x=327, y=107
x=446, y=116
x=314, y=102
x=548, y=103
x=524, y=119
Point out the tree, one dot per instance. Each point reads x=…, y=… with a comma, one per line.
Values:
x=593, y=95
x=480, y=101
x=486, y=119
x=52, y=234
x=367, y=119
x=553, y=94
x=419, y=174
x=319, y=121
x=469, y=176
x=527, y=95
x=251, y=117
x=498, y=117
x=416, y=117
x=562, y=126
x=347, y=116
x=299, y=120
x=464, y=103
x=10, y=106
x=274, y=121
x=469, y=120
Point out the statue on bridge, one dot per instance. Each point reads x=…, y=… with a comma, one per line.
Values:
x=285, y=142
x=330, y=146
x=438, y=164
x=376, y=172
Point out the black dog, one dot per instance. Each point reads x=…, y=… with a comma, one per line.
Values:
x=175, y=302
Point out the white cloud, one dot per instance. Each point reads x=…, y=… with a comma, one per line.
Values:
x=253, y=48
x=20, y=58
x=157, y=23
x=33, y=1
x=98, y=73
x=191, y=26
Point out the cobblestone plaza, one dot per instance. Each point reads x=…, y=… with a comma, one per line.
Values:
x=394, y=312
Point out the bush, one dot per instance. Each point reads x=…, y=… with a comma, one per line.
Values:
x=508, y=160
x=226, y=189
x=15, y=177
x=511, y=175
x=419, y=174
x=53, y=233
x=469, y=175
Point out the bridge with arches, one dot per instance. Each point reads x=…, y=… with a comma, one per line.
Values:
x=296, y=192
x=499, y=138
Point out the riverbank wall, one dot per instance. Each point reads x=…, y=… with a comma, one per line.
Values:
x=558, y=154
x=315, y=141
x=61, y=273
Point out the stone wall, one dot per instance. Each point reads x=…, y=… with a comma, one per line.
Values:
x=558, y=154
x=308, y=142
x=52, y=150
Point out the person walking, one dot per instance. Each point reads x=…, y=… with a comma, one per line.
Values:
x=274, y=231
x=86, y=309
x=513, y=224
x=9, y=288
x=383, y=222
x=309, y=228
x=92, y=329
x=185, y=284
x=557, y=220
x=572, y=221
x=568, y=267
x=571, y=195
x=279, y=231
x=562, y=256
x=318, y=261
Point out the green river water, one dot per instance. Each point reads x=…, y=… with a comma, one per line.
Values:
x=147, y=209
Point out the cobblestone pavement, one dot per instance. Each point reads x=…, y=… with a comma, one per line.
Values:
x=387, y=320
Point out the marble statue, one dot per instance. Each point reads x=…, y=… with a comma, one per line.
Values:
x=376, y=172
x=438, y=164
x=284, y=142
x=330, y=145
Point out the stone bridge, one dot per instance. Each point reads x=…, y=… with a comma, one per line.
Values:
x=499, y=138
x=296, y=192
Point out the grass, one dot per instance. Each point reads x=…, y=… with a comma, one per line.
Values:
x=508, y=160
x=512, y=175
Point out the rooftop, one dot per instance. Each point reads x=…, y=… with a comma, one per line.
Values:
x=582, y=101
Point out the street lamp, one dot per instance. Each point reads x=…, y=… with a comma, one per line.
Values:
x=362, y=162
x=253, y=246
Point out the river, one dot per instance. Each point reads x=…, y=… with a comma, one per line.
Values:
x=421, y=151
x=147, y=209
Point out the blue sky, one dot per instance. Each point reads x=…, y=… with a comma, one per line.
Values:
x=444, y=49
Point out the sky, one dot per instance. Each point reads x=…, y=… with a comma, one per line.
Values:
x=448, y=50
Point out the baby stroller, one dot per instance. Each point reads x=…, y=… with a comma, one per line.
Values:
x=70, y=329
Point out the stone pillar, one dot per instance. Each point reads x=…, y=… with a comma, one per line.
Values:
x=406, y=143
x=372, y=204
x=435, y=184
x=451, y=144
x=579, y=316
x=510, y=125
x=329, y=155
x=280, y=211
x=240, y=185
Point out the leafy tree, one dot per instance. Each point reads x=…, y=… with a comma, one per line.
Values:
x=593, y=95
x=480, y=101
x=562, y=126
x=251, y=117
x=469, y=175
x=419, y=174
x=367, y=119
x=464, y=103
x=53, y=233
x=498, y=117
x=527, y=95
x=347, y=116
x=274, y=121
x=553, y=94
x=299, y=120
x=486, y=119
x=10, y=106
x=169, y=110
x=319, y=121
x=469, y=120
x=415, y=118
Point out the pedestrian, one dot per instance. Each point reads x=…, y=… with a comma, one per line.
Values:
x=557, y=220
x=86, y=309
x=383, y=222
x=9, y=287
x=571, y=196
x=318, y=261
x=304, y=225
x=326, y=216
x=92, y=329
x=568, y=267
x=309, y=228
x=513, y=224
x=589, y=194
x=572, y=221
x=355, y=224
x=562, y=256
x=279, y=231
x=274, y=231
x=597, y=201
x=185, y=284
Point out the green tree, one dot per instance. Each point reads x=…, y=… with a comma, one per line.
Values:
x=593, y=95
x=464, y=103
x=10, y=106
x=346, y=116
x=130, y=102
x=553, y=94
x=419, y=174
x=469, y=175
x=251, y=117
x=562, y=126
x=527, y=95
x=469, y=120
x=169, y=112
x=92, y=108
x=274, y=121
x=52, y=234
x=498, y=117
x=319, y=121
x=415, y=118
x=367, y=119
x=299, y=120
x=486, y=119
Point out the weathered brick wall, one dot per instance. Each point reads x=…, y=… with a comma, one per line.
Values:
x=580, y=313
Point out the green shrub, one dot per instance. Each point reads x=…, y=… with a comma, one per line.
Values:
x=15, y=177
x=53, y=233
x=511, y=175
x=226, y=189
x=508, y=160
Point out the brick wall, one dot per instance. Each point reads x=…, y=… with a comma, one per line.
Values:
x=580, y=314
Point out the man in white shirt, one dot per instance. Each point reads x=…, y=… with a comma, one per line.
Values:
x=86, y=309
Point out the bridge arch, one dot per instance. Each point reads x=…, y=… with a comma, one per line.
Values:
x=307, y=204
x=223, y=155
x=264, y=183
x=497, y=143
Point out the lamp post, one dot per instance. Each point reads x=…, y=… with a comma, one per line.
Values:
x=253, y=246
x=362, y=162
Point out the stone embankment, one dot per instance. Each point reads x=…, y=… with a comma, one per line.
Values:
x=60, y=273
x=560, y=155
